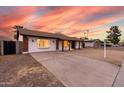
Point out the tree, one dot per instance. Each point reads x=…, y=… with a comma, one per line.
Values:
x=85, y=38
x=16, y=35
x=114, y=35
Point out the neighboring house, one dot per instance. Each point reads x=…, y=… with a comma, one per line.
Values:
x=36, y=41
x=108, y=44
x=92, y=43
x=121, y=43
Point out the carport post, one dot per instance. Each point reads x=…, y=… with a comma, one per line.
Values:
x=79, y=45
x=69, y=45
x=62, y=45
x=104, y=48
x=17, y=47
x=2, y=47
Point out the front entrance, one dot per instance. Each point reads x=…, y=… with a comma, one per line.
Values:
x=73, y=44
x=83, y=44
x=9, y=47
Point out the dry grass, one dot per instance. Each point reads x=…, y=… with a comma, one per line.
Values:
x=23, y=70
x=113, y=56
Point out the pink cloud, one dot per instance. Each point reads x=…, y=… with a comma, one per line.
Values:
x=68, y=20
x=18, y=17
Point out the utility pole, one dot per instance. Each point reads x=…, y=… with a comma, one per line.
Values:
x=84, y=34
x=87, y=32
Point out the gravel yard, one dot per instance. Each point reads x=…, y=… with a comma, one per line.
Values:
x=24, y=71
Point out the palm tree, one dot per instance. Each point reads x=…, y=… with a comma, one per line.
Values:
x=16, y=35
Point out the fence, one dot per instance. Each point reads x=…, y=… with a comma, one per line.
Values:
x=10, y=47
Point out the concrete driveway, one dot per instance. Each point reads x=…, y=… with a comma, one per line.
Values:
x=78, y=71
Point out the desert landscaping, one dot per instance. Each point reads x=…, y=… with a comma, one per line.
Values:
x=29, y=70
x=24, y=71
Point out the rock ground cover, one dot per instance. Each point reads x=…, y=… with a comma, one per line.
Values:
x=24, y=71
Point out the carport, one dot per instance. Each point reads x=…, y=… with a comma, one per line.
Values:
x=9, y=46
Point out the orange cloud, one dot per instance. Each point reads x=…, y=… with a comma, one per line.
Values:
x=17, y=17
x=67, y=20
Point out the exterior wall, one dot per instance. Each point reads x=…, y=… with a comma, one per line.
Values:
x=77, y=45
x=32, y=47
x=89, y=44
x=20, y=38
x=60, y=45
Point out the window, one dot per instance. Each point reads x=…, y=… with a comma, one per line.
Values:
x=66, y=43
x=42, y=43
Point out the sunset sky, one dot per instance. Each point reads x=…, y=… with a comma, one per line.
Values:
x=72, y=21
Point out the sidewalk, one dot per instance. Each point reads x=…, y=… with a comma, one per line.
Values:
x=119, y=82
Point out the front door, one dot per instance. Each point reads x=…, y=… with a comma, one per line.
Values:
x=73, y=45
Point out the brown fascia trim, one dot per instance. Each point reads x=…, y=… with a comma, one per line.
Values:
x=39, y=36
x=49, y=37
x=88, y=41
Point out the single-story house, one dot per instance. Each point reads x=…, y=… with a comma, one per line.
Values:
x=37, y=41
x=92, y=43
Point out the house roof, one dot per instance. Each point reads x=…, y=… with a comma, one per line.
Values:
x=46, y=34
x=5, y=38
